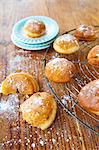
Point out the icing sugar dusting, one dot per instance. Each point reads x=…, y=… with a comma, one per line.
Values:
x=82, y=27
x=61, y=65
x=21, y=63
x=66, y=37
x=37, y=101
x=9, y=106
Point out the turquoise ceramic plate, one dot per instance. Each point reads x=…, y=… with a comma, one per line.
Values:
x=29, y=46
x=52, y=29
x=13, y=38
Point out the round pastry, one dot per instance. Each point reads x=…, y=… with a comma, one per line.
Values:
x=93, y=56
x=60, y=70
x=22, y=82
x=88, y=97
x=66, y=44
x=34, y=28
x=39, y=110
x=86, y=33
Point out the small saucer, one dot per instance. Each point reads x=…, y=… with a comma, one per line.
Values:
x=52, y=30
x=13, y=38
x=29, y=46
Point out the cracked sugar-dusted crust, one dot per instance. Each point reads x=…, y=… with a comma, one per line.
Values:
x=21, y=82
x=39, y=110
x=34, y=28
x=86, y=33
x=88, y=97
x=66, y=44
x=60, y=70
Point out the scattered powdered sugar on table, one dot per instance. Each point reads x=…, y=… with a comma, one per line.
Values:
x=9, y=106
x=24, y=63
x=42, y=141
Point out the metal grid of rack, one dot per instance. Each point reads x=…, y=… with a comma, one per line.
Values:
x=66, y=94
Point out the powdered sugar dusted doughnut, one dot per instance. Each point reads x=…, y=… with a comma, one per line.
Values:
x=21, y=82
x=60, y=70
x=66, y=44
x=93, y=56
x=88, y=97
x=34, y=28
x=39, y=110
x=86, y=33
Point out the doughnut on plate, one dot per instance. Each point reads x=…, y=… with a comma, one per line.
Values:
x=52, y=29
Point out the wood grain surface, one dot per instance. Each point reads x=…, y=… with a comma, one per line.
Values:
x=66, y=133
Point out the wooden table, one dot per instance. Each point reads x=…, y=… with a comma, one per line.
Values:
x=65, y=133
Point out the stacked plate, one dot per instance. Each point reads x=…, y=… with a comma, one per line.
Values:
x=20, y=40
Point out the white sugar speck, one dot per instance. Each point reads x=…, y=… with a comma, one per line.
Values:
x=38, y=101
x=8, y=142
x=64, y=101
x=53, y=140
x=15, y=142
x=46, y=140
x=33, y=145
x=48, y=132
x=19, y=140
x=62, y=135
x=57, y=133
x=18, y=127
x=50, y=146
x=67, y=140
x=42, y=143
x=28, y=140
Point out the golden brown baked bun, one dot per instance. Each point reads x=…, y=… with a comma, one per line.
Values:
x=22, y=82
x=60, y=70
x=85, y=33
x=39, y=110
x=66, y=44
x=88, y=97
x=34, y=28
x=93, y=56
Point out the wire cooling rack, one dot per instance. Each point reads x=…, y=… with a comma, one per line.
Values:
x=66, y=94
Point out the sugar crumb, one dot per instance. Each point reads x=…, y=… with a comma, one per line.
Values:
x=67, y=140
x=42, y=142
x=53, y=140
x=33, y=145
